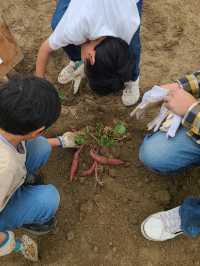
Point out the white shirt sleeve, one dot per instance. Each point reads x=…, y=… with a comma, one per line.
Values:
x=72, y=29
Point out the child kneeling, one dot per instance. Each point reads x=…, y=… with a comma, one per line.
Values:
x=28, y=106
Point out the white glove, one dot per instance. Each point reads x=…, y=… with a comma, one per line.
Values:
x=155, y=95
x=165, y=121
x=1, y=61
x=158, y=120
x=67, y=140
x=171, y=125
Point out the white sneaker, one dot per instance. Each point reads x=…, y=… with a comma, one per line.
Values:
x=131, y=93
x=67, y=73
x=162, y=226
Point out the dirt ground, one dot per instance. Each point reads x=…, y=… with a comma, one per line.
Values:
x=101, y=227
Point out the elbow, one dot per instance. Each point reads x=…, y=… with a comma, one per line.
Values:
x=45, y=48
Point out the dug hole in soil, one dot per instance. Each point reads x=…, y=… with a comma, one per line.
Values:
x=101, y=226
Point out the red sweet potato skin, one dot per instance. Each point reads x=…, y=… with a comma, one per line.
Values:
x=75, y=163
x=104, y=160
x=90, y=170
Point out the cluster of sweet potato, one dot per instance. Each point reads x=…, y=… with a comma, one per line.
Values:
x=103, y=137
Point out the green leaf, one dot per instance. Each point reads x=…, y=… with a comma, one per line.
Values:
x=106, y=141
x=120, y=129
x=99, y=129
x=80, y=140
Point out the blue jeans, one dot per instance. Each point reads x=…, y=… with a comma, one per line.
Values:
x=171, y=155
x=31, y=204
x=135, y=47
x=74, y=52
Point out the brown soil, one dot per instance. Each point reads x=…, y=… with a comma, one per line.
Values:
x=101, y=227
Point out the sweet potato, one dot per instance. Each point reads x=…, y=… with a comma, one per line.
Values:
x=75, y=163
x=90, y=170
x=104, y=160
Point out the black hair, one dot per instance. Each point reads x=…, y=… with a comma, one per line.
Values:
x=113, y=66
x=28, y=103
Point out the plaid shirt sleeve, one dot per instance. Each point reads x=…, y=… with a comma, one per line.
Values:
x=191, y=121
x=191, y=83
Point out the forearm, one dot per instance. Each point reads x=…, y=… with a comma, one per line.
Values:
x=67, y=140
x=191, y=83
x=42, y=59
x=54, y=142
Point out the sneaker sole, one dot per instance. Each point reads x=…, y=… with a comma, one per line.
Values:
x=40, y=233
x=37, y=233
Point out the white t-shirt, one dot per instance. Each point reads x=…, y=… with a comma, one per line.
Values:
x=90, y=19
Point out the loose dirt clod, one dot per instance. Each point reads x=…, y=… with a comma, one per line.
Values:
x=70, y=235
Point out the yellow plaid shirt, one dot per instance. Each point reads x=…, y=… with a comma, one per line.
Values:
x=191, y=120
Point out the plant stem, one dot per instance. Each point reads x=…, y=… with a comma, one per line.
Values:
x=92, y=136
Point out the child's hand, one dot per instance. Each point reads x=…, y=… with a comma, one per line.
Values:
x=88, y=52
x=179, y=101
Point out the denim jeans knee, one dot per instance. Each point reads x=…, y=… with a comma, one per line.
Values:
x=30, y=205
x=149, y=156
x=38, y=152
x=165, y=155
x=48, y=201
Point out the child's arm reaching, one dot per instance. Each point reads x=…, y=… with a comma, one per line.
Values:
x=42, y=59
x=67, y=140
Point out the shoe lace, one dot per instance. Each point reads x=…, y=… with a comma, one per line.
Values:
x=172, y=221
